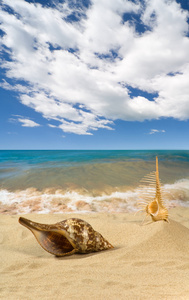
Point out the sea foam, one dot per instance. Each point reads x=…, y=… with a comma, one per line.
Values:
x=56, y=201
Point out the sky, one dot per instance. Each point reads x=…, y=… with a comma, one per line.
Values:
x=99, y=74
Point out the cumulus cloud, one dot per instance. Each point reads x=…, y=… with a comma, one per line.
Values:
x=78, y=64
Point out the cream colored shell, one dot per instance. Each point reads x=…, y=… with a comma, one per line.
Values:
x=152, y=202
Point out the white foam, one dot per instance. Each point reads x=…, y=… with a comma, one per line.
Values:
x=29, y=200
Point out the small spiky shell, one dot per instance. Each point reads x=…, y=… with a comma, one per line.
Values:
x=156, y=211
x=154, y=206
x=67, y=237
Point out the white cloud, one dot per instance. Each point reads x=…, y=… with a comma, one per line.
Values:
x=90, y=122
x=27, y=122
x=52, y=126
x=81, y=73
x=156, y=131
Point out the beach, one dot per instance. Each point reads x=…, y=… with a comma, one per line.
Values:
x=147, y=262
x=94, y=150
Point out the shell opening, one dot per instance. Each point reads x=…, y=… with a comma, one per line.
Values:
x=54, y=242
x=152, y=208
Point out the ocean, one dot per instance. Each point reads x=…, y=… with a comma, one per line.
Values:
x=87, y=180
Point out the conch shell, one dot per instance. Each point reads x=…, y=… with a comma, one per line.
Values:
x=67, y=237
x=154, y=206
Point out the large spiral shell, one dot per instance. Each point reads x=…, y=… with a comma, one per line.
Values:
x=67, y=237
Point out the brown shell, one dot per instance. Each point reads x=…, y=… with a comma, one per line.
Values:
x=67, y=237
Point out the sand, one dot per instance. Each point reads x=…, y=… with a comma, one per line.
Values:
x=148, y=262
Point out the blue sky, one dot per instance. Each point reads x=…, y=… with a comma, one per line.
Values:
x=103, y=74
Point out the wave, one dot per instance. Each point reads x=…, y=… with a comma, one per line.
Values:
x=32, y=200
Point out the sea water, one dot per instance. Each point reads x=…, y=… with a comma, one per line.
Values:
x=86, y=180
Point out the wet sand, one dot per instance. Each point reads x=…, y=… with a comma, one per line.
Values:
x=148, y=262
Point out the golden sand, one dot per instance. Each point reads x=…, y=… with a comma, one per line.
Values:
x=148, y=262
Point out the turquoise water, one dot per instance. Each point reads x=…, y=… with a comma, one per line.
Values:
x=43, y=169
x=72, y=157
x=87, y=176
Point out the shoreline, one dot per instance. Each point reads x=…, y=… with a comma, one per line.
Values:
x=52, y=200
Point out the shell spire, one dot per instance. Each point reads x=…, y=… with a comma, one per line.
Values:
x=158, y=188
x=67, y=237
x=153, y=206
